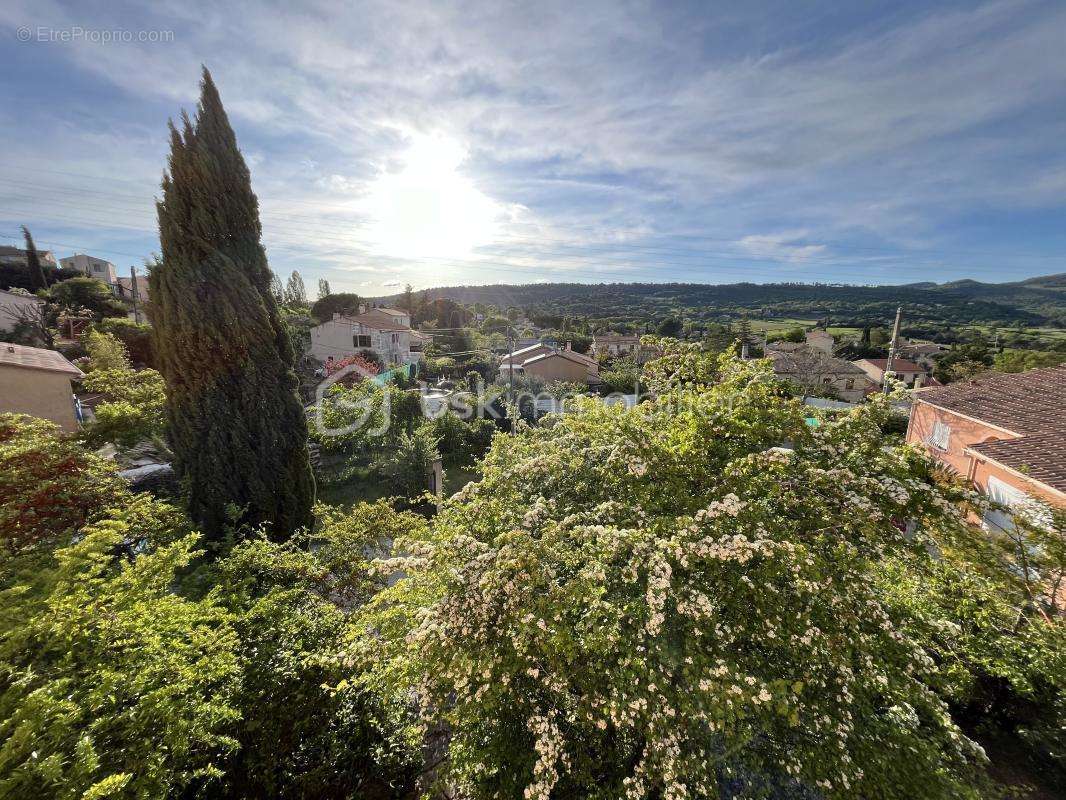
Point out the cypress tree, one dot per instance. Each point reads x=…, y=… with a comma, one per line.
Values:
x=34, y=268
x=236, y=425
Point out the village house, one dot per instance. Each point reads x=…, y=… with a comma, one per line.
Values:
x=1006, y=434
x=551, y=364
x=37, y=382
x=910, y=374
x=16, y=307
x=816, y=372
x=616, y=345
x=17, y=257
x=922, y=353
x=820, y=340
x=93, y=267
x=385, y=331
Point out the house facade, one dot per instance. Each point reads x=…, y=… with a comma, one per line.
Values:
x=551, y=364
x=912, y=375
x=622, y=345
x=17, y=257
x=387, y=332
x=820, y=340
x=35, y=381
x=815, y=372
x=1006, y=434
x=93, y=267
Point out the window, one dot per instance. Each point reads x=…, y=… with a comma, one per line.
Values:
x=396, y=338
x=998, y=491
x=361, y=341
x=940, y=436
x=849, y=383
x=827, y=381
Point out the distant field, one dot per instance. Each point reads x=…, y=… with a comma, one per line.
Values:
x=784, y=323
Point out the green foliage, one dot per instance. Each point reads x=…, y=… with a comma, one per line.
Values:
x=623, y=376
x=134, y=409
x=1022, y=360
x=662, y=602
x=110, y=683
x=34, y=268
x=463, y=440
x=989, y=612
x=87, y=293
x=236, y=425
x=49, y=485
x=106, y=352
x=308, y=728
x=405, y=467
x=295, y=291
x=323, y=288
x=326, y=306
x=679, y=365
x=136, y=336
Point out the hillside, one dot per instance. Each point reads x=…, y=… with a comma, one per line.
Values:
x=1037, y=301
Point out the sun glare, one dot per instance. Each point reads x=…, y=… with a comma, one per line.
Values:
x=428, y=208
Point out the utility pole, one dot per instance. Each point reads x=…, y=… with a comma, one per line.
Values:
x=510, y=377
x=133, y=290
x=892, y=349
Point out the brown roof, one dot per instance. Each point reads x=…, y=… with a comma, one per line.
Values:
x=1040, y=456
x=809, y=360
x=898, y=364
x=18, y=355
x=379, y=320
x=1022, y=402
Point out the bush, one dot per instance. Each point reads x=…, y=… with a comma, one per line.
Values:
x=305, y=731
x=135, y=336
x=662, y=602
x=87, y=293
x=405, y=468
x=49, y=485
x=110, y=683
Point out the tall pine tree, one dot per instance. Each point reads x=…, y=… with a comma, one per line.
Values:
x=237, y=428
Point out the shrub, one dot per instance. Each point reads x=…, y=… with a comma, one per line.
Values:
x=49, y=485
x=662, y=602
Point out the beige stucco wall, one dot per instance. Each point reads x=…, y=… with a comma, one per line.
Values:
x=558, y=369
x=12, y=307
x=39, y=393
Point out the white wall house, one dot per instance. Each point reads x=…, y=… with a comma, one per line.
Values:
x=92, y=266
x=16, y=307
x=385, y=331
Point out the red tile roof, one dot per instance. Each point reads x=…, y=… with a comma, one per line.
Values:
x=1030, y=404
x=898, y=364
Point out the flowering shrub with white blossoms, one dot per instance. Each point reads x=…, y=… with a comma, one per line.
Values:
x=676, y=601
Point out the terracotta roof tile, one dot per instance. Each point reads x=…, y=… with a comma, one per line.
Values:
x=1023, y=402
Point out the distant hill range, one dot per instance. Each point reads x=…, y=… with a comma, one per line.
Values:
x=1039, y=301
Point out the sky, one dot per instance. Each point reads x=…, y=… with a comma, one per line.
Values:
x=436, y=143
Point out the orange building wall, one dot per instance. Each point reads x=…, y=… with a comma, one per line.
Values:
x=966, y=432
